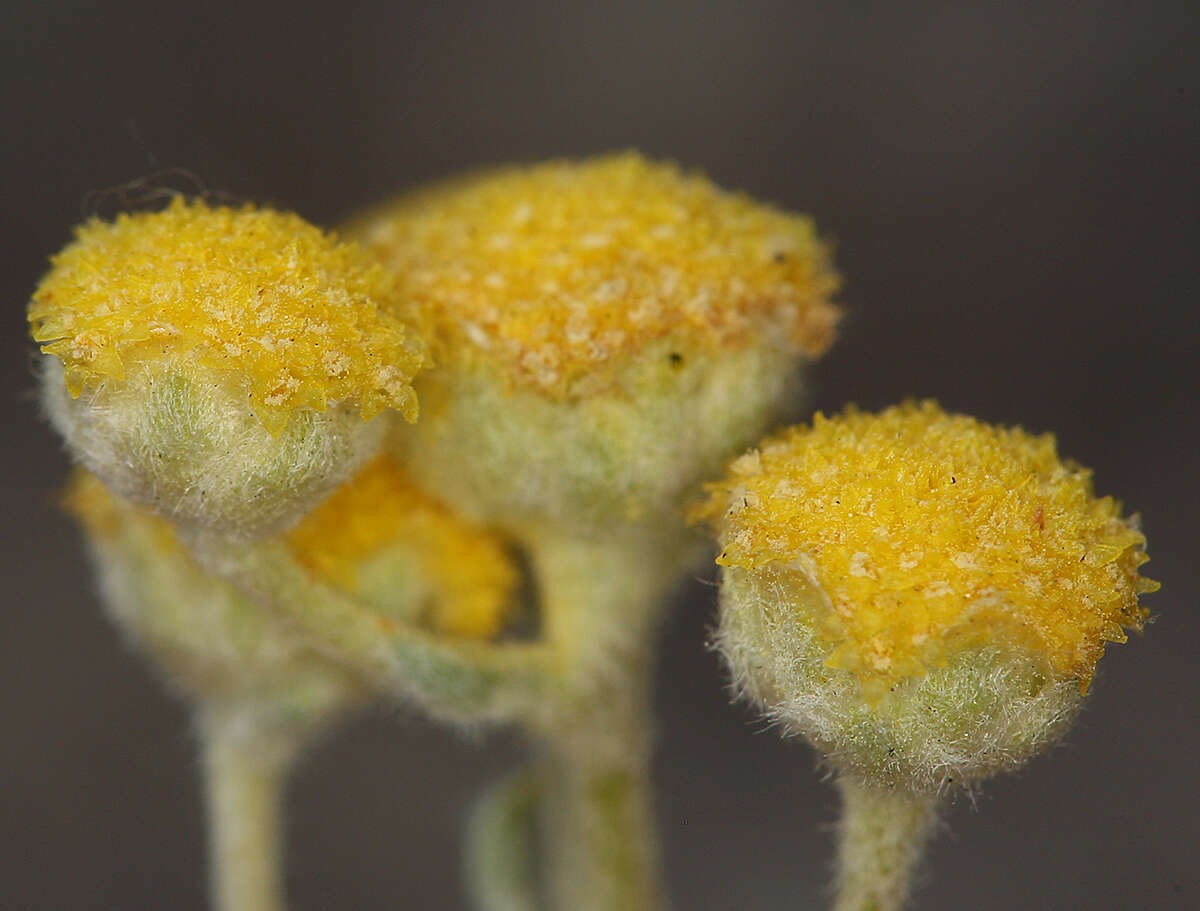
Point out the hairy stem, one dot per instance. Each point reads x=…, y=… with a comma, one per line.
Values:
x=600, y=602
x=501, y=861
x=575, y=832
x=245, y=772
x=881, y=838
x=453, y=679
x=598, y=840
x=582, y=689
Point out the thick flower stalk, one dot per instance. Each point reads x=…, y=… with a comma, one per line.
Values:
x=924, y=598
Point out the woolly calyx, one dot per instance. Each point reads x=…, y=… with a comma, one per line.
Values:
x=189, y=448
x=214, y=363
x=221, y=648
x=630, y=454
x=921, y=595
x=608, y=331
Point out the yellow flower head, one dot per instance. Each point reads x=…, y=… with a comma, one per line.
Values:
x=555, y=271
x=927, y=532
x=468, y=571
x=466, y=575
x=257, y=292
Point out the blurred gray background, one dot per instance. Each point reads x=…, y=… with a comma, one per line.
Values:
x=1011, y=189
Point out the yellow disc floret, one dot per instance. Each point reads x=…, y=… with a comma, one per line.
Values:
x=262, y=293
x=928, y=532
x=470, y=573
x=556, y=270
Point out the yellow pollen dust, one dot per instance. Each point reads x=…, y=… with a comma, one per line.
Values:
x=261, y=293
x=929, y=532
x=468, y=567
x=555, y=270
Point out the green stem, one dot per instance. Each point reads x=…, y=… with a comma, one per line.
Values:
x=598, y=845
x=582, y=688
x=458, y=680
x=576, y=832
x=881, y=838
x=600, y=604
x=502, y=869
x=245, y=774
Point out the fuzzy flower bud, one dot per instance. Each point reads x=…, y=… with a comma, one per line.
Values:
x=376, y=538
x=217, y=646
x=608, y=332
x=922, y=596
x=217, y=364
